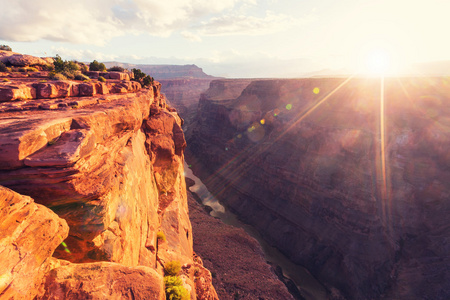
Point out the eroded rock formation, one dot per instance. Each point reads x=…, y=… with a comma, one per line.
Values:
x=109, y=165
x=349, y=178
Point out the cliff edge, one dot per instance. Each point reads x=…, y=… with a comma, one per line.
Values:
x=93, y=198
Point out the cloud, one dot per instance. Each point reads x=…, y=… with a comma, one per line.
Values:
x=246, y=25
x=96, y=22
x=191, y=36
x=83, y=55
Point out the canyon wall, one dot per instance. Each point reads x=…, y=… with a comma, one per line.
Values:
x=348, y=177
x=104, y=165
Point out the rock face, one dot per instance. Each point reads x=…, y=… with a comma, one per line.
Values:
x=184, y=92
x=249, y=275
x=111, y=166
x=347, y=177
x=29, y=233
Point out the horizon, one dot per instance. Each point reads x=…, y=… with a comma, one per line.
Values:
x=238, y=38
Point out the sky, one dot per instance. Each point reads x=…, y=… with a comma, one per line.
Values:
x=234, y=38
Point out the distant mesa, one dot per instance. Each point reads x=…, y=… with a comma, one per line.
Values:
x=165, y=71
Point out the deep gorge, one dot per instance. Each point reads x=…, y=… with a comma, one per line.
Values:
x=301, y=160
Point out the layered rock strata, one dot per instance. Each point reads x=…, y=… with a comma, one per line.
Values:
x=111, y=169
x=348, y=177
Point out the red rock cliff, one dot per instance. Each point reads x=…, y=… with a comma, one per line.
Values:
x=105, y=171
x=364, y=206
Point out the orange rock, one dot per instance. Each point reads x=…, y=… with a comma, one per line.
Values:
x=118, y=76
x=22, y=60
x=29, y=233
x=103, y=280
x=11, y=92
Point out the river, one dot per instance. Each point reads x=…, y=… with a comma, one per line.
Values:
x=309, y=287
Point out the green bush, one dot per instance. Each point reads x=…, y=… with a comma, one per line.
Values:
x=138, y=74
x=148, y=80
x=116, y=69
x=96, y=66
x=101, y=79
x=82, y=77
x=67, y=68
x=3, y=67
x=175, y=289
x=160, y=236
x=57, y=76
x=5, y=48
x=172, y=268
x=142, y=77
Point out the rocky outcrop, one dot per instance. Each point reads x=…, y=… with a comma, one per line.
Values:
x=29, y=233
x=111, y=166
x=347, y=177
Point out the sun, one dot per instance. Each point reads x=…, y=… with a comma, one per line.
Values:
x=376, y=62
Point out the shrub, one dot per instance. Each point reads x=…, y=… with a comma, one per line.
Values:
x=101, y=79
x=172, y=268
x=5, y=80
x=68, y=68
x=138, y=74
x=32, y=69
x=148, y=80
x=96, y=66
x=83, y=67
x=82, y=77
x=160, y=236
x=57, y=76
x=116, y=69
x=175, y=289
x=3, y=67
x=5, y=48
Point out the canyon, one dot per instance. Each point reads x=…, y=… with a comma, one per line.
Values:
x=347, y=176
x=93, y=197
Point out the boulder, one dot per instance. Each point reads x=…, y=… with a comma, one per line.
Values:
x=29, y=233
x=103, y=280
x=11, y=92
x=22, y=60
x=118, y=76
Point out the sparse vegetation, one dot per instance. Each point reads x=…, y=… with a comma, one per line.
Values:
x=141, y=77
x=101, y=79
x=160, y=236
x=116, y=69
x=5, y=48
x=57, y=76
x=5, y=80
x=172, y=268
x=22, y=69
x=67, y=68
x=175, y=289
x=82, y=77
x=32, y=69
x=96, y=66
x=3, y=67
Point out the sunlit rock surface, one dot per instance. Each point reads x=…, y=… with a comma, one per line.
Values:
x=349, y=178
x=29, y=233
x=109, y=161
